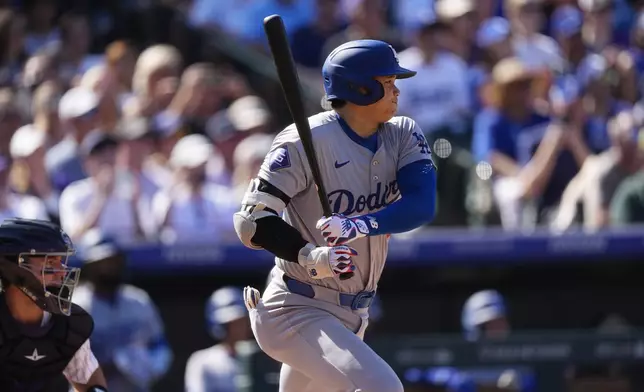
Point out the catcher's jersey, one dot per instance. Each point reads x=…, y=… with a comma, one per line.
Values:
x=357, y=181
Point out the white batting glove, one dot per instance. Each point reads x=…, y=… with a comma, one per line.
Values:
x=339, y=230
x=326, y=261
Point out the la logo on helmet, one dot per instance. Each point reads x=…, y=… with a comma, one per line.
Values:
x=395, y=54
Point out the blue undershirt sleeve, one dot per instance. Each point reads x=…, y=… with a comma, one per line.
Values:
x=416, y=207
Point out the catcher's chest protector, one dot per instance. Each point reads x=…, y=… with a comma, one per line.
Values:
x=32, y=360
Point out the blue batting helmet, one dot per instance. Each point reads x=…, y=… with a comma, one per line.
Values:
x=224, y=306
x=349, y=71
x=481, y=307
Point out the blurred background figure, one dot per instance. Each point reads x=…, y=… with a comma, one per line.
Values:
x=527, y=20
x=247, y=159
x=461, y=18
x=245, y=116
x=99, y=202
x=155, y=80
x=588, y=196
x=219, y=368
x=32, y=189
x=78, y=113
x=367, y=20
x=15, y=205
x=128, y=339
x=484, y=316
x=12, y=50
x=193, y=209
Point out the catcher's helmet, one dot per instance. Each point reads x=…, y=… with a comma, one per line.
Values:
x=480, y=308
x=224, y=306
x=349, y=71
x=49, y=285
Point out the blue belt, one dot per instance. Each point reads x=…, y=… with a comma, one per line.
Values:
x=362, y=300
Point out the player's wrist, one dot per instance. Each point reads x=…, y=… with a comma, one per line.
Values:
x=366, y=225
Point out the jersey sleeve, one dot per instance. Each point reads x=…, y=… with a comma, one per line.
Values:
x=413, y=146
x=283, y=166
x=80, y=369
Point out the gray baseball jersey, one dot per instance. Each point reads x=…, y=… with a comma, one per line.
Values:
x=357, y=181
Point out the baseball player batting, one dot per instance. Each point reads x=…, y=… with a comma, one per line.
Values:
x=380, y=179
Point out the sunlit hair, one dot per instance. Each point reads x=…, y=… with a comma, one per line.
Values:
x=152, y=59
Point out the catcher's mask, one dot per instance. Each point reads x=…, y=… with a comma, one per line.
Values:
x=35, y=256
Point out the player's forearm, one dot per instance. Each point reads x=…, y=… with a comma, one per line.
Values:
x=417, y=184
x=278, y=237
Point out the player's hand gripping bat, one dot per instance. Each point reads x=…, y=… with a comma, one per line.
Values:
x=281, y=51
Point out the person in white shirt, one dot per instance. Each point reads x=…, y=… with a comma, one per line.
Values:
x=39, y=321
x=217, y=368
x=536, y=50
x=194, y=210
x=100, y=202
x=438, y=97
x=15, y=205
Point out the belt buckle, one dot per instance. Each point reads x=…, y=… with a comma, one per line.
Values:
x=362, y=300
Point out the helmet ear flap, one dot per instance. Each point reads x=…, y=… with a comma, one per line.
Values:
x=361, y=91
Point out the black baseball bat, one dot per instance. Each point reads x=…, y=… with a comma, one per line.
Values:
x=290, y=82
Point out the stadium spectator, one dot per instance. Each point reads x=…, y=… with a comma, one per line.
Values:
x=438, y=98
x=120, y=58
x=16, y=205
x=307, y=42
x=627, y=205
x=597, y=30
x=367, y=20
x=133, y=177
x=155, y=80
x=99, y=202
x=12, y=30
x=41, y=29
x=566, y=23
x=40, y=68
x=244, y=117
x=595, y=184
x=193, y=210
x=530, y=45
x=27, y=150
x=128, y=338
x=78, y=112
x=198, y=97
x=76, y=38
x=11, y=117
x=460, y=17
x=505, y=135
x=247, y=159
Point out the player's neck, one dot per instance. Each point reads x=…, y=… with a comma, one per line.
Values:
x=358, y=124
x=22, y=309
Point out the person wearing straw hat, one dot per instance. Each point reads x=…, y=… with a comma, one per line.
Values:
x=518, y=144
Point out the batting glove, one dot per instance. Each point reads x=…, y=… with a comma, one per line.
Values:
x=326, y=261
x=339, y=230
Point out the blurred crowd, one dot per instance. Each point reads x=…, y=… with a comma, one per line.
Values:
x=533, y=108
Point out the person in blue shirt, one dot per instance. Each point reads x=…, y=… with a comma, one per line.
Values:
x=531, y=156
